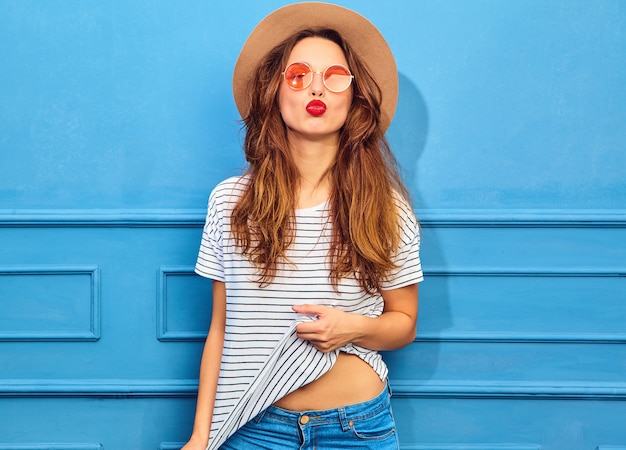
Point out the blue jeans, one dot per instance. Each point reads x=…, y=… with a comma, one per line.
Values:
x=367, y=425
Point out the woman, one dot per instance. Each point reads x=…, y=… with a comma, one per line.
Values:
x=314, y=252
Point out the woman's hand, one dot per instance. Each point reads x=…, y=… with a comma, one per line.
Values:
x=332, y=330
x=195, y=444
x=393, y=329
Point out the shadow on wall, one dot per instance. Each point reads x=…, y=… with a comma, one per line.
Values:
x=408, y=132
x=408, y=135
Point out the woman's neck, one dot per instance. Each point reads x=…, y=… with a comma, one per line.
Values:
x=313, y=159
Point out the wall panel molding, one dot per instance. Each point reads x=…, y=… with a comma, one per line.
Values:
x=50, y=446
x=402, y=389
x=99, y=388
x=529, y=390
x=122, y=218
x=428, y=218
x=519, y=271
x=537, y=218
x=451, y=446
x=167, y=307
x=36, y=274
x=618, y=272
x=529, y=338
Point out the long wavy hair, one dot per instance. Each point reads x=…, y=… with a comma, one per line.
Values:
x=364, y=179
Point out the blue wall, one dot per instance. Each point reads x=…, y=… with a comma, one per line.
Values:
x=117, y=119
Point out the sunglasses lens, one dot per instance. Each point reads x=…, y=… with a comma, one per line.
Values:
x=298, y=75
x=337, y=78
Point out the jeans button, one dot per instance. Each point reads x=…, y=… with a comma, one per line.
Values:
x=304, y=420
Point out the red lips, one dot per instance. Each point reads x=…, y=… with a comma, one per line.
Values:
x=316, y=107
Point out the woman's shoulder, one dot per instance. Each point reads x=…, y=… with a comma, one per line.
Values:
x=230, y=188
x=407, y=220
x=403, y=205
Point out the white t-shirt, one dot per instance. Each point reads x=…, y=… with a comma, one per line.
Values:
x=263, y=360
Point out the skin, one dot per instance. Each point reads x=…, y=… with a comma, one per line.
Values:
x=209, y=371
x=314, y=139
x=314, y=143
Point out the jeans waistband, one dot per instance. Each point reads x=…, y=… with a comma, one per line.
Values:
x=343, y=414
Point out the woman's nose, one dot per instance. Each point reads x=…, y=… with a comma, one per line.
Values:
x=317, y=84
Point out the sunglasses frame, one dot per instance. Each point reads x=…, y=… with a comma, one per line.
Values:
x=313, y=73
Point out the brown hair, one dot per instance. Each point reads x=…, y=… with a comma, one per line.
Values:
x=364, y=179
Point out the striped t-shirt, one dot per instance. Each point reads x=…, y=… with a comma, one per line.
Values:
x=263, y=359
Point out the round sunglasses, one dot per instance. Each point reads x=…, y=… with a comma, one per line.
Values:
x=299, y=75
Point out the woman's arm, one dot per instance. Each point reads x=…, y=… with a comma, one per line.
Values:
x=394, y=328
x=209, y=371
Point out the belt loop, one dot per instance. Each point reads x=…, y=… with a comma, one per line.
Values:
x=345, y=425
x=259, y=416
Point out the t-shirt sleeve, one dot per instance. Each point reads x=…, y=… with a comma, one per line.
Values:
x=210, y=262
x=407, y=258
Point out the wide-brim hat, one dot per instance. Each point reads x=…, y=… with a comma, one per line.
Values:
x=362, y=36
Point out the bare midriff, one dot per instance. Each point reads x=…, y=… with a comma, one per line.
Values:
x=351, y=380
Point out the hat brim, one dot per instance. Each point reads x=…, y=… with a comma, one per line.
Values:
x=364, y=38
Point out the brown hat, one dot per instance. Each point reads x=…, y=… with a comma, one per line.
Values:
x=360, y=33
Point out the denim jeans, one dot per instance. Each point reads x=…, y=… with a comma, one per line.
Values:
x=367, y=425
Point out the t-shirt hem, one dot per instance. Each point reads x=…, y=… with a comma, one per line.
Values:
x=209, y=275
